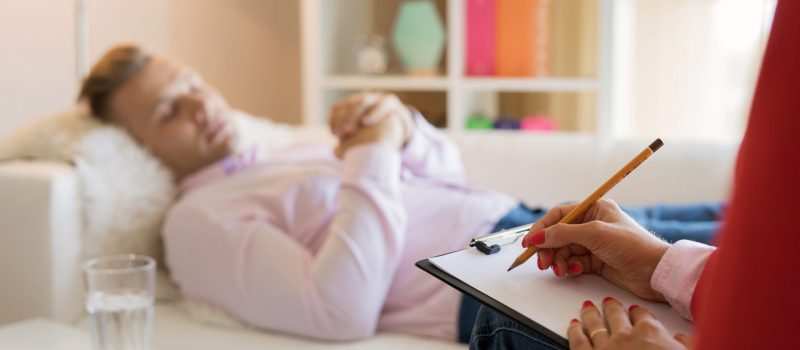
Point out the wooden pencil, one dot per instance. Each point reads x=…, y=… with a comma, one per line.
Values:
x=594, y=196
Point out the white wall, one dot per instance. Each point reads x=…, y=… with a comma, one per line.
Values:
x=694, y=66
x=249, y=49
x=38, y=71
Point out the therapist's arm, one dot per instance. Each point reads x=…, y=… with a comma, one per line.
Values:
x=609, y=243
x=606, y=241
x=678, y=272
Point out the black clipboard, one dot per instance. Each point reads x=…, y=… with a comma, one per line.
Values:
x=427, y=266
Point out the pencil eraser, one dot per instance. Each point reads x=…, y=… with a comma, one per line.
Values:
x=487, y=249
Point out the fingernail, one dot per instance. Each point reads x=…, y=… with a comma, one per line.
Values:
x=574, y=320
x=539, y=263
x=537, y=238
x=575, y=268
x=555, y=270
x=607, y=299
x=633, y=307
x=587, y=303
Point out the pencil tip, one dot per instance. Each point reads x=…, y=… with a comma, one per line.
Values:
x=515, y=264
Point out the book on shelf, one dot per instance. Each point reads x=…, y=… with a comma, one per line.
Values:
x=522, y=37
x=480, y=37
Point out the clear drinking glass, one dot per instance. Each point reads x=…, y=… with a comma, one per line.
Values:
x=120, y=290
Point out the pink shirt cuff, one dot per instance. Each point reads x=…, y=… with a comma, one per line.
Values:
x=677, y=274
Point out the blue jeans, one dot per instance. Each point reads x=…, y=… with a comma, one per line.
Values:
x=494, y=331
x=521, y=215
x=674, y=222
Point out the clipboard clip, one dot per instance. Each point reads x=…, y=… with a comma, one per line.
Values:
x=493, y=242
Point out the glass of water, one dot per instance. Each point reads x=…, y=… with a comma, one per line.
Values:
x=120, y=290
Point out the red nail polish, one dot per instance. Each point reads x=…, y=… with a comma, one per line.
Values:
x=525, y=242
x=574, y=320
x=537, y=238
x=555, y=270
x=633, y=307
x=587, y=303
x=607, y=299
x=539, y=263
x=575, y=268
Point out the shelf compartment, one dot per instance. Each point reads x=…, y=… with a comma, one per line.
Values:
x=386, y=82
x=432, y=104
x=531, y=84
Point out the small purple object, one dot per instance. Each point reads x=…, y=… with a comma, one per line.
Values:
x=505, y=123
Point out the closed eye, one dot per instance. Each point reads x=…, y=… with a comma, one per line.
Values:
x=174, y=109
x=169, y=112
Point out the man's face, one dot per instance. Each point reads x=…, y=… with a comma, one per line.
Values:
x=169, y=110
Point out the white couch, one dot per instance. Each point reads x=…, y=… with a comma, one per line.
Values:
x=40, y=221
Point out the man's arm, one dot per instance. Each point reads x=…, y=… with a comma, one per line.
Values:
x=430, y=154
x=427, y=154
x=262, y=275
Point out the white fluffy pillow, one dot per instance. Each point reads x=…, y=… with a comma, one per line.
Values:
x=125, y=190
x=125, y=194
x=53, y=137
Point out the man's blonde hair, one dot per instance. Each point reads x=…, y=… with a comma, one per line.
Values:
x=112, y=70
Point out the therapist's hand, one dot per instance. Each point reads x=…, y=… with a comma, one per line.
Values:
x=617, y=328
x=605, y=241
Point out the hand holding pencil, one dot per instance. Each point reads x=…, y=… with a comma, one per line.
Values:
x=596, y=236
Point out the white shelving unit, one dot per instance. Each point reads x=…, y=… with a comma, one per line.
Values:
x=328, y=30
x=530, y=85
x=388, y=82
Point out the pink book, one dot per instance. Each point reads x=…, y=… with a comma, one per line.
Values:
x=480, y=37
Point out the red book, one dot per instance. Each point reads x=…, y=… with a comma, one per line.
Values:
x=480, y=37
x=523, y=29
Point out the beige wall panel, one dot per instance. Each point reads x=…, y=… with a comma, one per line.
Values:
x=37, y=60
x=249, y=49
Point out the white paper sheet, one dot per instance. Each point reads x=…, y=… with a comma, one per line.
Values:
x=539, y=295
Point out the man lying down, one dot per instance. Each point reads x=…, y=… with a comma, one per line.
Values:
x=314, y=241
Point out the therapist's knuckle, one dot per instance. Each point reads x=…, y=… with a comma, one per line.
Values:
x=588, y=312
x=647, y=326
x=578, y=342
x=624, y=333
x=597, y=225
x=606, y=204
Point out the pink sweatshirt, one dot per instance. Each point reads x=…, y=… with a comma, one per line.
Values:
x=304, y=243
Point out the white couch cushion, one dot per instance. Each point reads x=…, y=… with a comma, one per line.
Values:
x=174, y=329
x=547, y=169
x=54, y=137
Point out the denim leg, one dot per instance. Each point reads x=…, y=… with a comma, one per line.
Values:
x=497, y=332
x=711, y=211
x=520, y=215
x=467, y=314
x=673, y=231
x=698, y=222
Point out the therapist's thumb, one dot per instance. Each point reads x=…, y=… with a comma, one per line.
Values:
x=560, y=235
